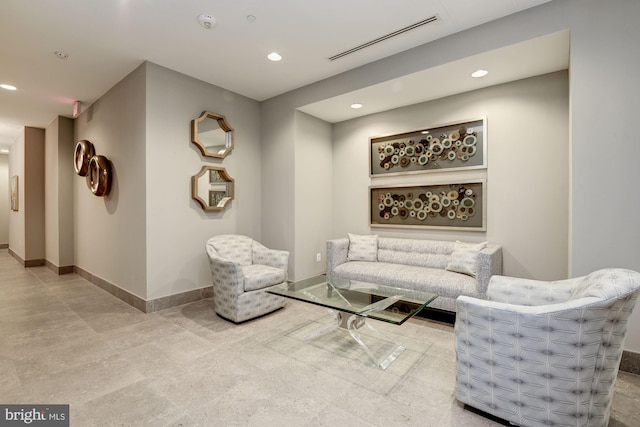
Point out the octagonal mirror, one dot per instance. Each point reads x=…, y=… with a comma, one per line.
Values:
x=212, y=135
x=212, y=187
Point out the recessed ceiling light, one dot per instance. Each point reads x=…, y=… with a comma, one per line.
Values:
x=479, y=73
x=251, y=18
x=274, y=56
x=61, y=55
x=356, y=105
x=7, y=87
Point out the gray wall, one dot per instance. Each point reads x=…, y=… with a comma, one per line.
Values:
x=527, y=177
x=5, y=204
x=605, y=99
x=278, y=177
x=33, y=193
x=313, y=195
x=604, y=95
x=148, y=235
x=110, y=232
x=26, y=226
x=177, y=227
x=59, y=179
x=17, y=218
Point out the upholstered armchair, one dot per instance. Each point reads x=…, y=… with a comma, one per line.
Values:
x=241, y=270
x=545, y=353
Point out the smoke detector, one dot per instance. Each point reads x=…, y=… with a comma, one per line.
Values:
x=207, y=21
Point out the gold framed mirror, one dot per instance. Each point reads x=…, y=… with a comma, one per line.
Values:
x=212, y=135
x=213, y=188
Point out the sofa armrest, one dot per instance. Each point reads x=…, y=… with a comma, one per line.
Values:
x=489, y=264
x=337, y=250
x=514, y=290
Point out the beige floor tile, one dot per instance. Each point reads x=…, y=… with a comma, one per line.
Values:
x=152, y=362
x=145, y=407
x=41, y=322
x=23, y=344
x=149, y=328
x=184, y=347
x=15, y=307
x=10, y=385
x=184, y=421
x=65, y=355
x=47, y=276
x=107, y=313
x=255, y=404
x=204, y=379
x=81, y=384
x=77, y=290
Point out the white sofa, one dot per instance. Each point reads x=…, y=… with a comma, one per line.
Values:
x=424, y=265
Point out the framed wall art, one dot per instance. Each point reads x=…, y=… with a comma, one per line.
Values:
x=451, y=206
x=14, y=193
x=460, y=146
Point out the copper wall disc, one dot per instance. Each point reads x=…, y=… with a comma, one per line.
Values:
x=99, y=175
x=84, y=151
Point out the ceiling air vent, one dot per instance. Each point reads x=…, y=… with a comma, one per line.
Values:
x=385, y=37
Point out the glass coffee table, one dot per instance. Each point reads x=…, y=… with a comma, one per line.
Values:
x=352, y=303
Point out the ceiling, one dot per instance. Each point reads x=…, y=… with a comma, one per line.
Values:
x=107, y=39
x=533, y=57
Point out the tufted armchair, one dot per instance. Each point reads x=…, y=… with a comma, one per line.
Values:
x=241, y=270
x=545, y=353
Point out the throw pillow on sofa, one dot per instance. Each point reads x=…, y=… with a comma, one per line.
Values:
x=363, y=248
x=464, y=258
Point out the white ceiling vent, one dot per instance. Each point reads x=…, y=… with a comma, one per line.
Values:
x=385, y=37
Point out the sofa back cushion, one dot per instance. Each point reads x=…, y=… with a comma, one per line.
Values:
x=421, y=253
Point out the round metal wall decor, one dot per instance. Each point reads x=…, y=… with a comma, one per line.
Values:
x=96, y=169
x=84, y=151
x=99, y=176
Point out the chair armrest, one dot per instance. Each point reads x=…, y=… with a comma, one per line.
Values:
x=337, y=250
x=271, y=257
x=225, y=272
x=528, y=292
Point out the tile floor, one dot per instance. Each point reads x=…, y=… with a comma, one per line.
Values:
x=63, y=340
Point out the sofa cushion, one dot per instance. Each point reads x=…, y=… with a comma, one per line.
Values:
x=464, y=258
x=261, y=276
x=422, y=253
x=363, y=248
x=436, y=281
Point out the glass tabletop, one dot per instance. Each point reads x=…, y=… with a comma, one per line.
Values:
x=385, y=303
